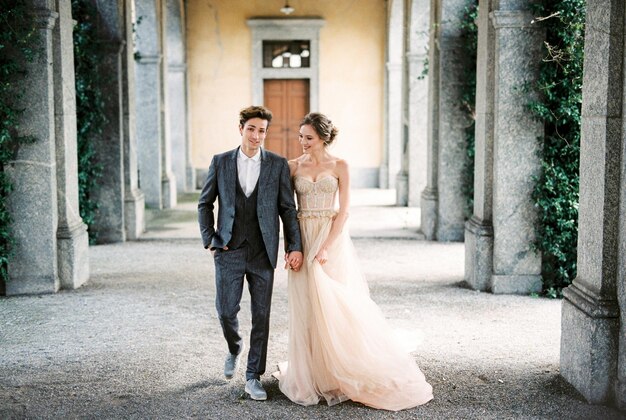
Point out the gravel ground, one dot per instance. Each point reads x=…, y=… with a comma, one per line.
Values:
x=141, y=340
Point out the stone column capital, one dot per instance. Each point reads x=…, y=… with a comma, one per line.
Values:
x=512, y=19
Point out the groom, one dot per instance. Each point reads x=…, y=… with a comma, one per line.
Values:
x=253, y=188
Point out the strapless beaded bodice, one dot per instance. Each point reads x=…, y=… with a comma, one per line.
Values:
x=316, y=198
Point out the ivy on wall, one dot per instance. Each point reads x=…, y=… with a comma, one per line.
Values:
x=18, y=40
x=90, y=116
x=469, y=37
x=556, y=191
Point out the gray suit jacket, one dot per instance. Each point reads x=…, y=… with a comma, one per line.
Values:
x=275, y=198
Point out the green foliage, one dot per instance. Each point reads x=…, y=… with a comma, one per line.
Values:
x=556, y=191
x=90, y=103
x=468, y=100
x=18, y=40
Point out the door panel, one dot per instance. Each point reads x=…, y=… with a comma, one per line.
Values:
x=288, y=99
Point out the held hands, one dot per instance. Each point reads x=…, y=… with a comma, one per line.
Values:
x=293, y=260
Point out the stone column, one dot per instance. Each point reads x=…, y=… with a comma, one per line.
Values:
x=134, y=200
x=168, y=180
x=479, y=229
x=417, y=101
x=148, y=97
x=442, y=200
x=429, y=202
x=72, y=238
x=620, y=389
x=177, y=82
x=393, y=109
x=590, y=321
x=33, y=267
x=518, y=54
x=402, y=176
x=109, y=222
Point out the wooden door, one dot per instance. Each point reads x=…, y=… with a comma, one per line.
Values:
x=288, y=99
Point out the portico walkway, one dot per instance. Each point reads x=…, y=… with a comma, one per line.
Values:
x=140, y=339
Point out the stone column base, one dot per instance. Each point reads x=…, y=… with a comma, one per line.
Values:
x=402, y=189
x=73, y=255
x=168, y=191
x=32, y=285
x=478, y=254
x=589, y=344
x=515, y=284
x=134, y=215
x=428, y=212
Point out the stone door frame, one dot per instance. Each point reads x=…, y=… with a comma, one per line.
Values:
x=279, y=29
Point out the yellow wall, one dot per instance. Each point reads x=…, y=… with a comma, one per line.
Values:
x=351, y=72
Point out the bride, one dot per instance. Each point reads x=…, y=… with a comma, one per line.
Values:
x=340, y=345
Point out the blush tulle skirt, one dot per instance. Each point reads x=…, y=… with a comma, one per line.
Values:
x=340, y=344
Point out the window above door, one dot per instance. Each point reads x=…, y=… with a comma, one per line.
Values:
x=292, y=54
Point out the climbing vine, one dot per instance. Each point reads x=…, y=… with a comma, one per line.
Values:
x=18, y=40
x=90, y=116
x=556, y=191
x=469, y=38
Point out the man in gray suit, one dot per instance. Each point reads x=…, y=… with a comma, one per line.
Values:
x=253, y=188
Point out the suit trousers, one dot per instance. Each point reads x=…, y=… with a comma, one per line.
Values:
x=231, y=267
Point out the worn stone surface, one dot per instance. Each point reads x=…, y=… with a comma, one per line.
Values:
x=148, y=86
x=109, y=221
x=134, y=200
x=478, y=254
x=620, y=388
x=479, y=229
x=72, y=238
x=452, y=147
x=515, y=160
x=589, y=353
x=428, y=198
x=485, y=73
x=428, y=215
x=177, y=86
x=402, y=189
x=168, y=178
x=178, y=126
x=417, y=85
x=446, y=133
x=73, y=255
x=394, y=106
x=33, y=201
x=592, y=358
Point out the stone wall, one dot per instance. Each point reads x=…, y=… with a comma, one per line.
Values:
x=593, y=354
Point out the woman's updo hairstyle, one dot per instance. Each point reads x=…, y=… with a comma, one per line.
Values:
x=322, y=126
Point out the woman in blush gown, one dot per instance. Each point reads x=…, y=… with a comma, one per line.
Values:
x=340, y=345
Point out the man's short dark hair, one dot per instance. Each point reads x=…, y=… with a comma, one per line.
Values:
x=255, y=112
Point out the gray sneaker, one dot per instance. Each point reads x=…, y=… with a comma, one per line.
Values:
x=231, y=364
x=255, y=390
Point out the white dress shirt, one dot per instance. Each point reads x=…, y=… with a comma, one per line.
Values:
x=248, y=169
